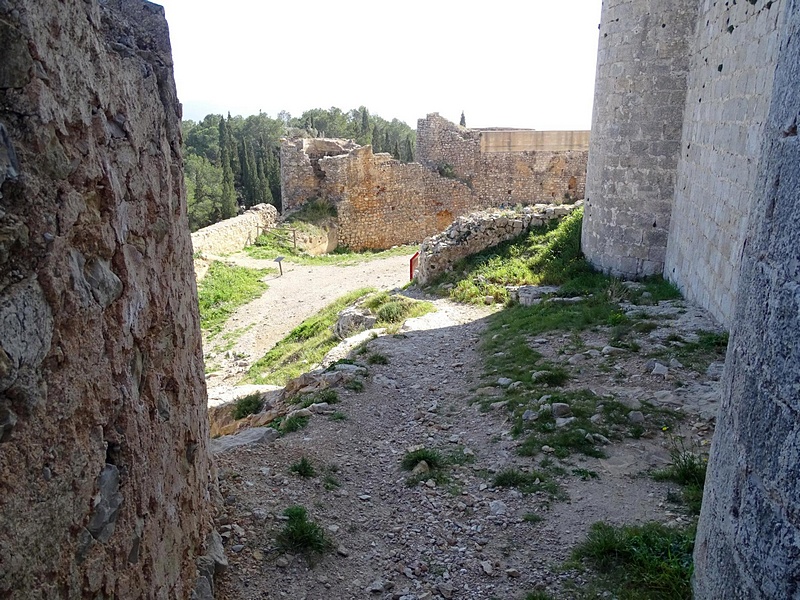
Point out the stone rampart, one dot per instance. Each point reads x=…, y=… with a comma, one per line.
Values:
x=476, y=232
x=729, y=91
x=231, y=235
x=300, y=172
x=105, y=477
x=507, y=166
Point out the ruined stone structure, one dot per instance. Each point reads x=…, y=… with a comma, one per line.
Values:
x=476, y=232
x=231, y=235
x=382, y=202
x=507, y=166
x=727, y=74
x=104, y=469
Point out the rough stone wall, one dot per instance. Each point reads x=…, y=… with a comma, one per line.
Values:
x=382, y=202
x=507, y=166
x=231, y=235
x=729, y=89
x=642, y=63
x=300, y=172
x=104, y=469
x=473, y=233
x=748, y=538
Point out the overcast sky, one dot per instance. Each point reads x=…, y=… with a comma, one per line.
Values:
x=505, y=63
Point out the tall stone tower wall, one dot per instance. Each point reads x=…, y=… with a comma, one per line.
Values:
x=748, y=539
x=104, y=469
x=729, y=89
x=642, y=64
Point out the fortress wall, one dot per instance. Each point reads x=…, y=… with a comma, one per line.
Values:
x=383, y=202
x=729, y=90
x=640, y=91
x=231, y=235
x=105, y=476
x=748, y=537
x=507, y=166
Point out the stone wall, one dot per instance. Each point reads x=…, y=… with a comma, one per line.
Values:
x=748, y=538
x=730, y=85
x=382, y=202
x=476, y=232
x=104, y=468
x=503, y=166
x=640, y=89
x=231, y=235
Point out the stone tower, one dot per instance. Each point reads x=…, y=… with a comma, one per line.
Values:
x=640, y=89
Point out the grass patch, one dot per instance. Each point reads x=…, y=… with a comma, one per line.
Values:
x=224, y=289
x=292, y=424
x=650, y=561
x=392, y=309
x=688, y=469
x=711, y=346
x=528, y=483
x=532, y=518
x=248, y=405
x=303, y=468
x=432, y=457
x=338, y=416
x=549, y=255
x=354, y=385
x=304, y=346
x=301, y=536
x=377, y=359
x=328, y=396
x=585, y=474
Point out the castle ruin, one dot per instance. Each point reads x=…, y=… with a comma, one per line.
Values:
x=383, y=202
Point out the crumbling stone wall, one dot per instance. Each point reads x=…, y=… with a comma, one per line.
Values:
x=300, y=171
x=478, y=231
x=104, y=468
x=382, y=202
x=503, y=166
x=640, y=88
x=748, y=538
x=729, y=90
x=231, y=235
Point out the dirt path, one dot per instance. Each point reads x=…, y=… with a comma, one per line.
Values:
x=464, y=539
x=301, y=292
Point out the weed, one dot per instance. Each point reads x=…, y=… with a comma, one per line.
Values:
x=377, y=359
x=327, y=396
x=303, y=467
x=432, y=457
x=688, y=469
x=650, y=561
x=527, y=483
x=392, y=310
x=330, y=482
x=294, y=423
x=354, y=385
x=710, y=347
x=301, y=536
x=223, y=290
x=248, y=405
x=532, y=518
x=539, y=596
x=338, y=416
x=585, y=474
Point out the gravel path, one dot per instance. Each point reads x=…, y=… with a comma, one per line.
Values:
x=463, y=540
x=301, y=292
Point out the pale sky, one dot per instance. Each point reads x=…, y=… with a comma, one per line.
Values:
x=505, y=63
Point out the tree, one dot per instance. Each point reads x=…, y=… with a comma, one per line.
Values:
x=463, y=121
x=204, y=192
x=228, y=191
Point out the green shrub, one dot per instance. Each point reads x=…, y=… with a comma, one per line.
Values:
x=303, y=468
x=249, y=405
x=301, y=536
x=434, y=459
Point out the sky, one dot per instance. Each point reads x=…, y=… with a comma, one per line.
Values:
x=505, y=63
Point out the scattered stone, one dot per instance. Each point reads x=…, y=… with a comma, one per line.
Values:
x=282, y=562
x=446, y=590
x=715, y=370
x=487, y=567
x=660, y=369
x=504, y=382
x=597, y=418
x=636, y=417
x=376, y=587
x=612, y=351
x=675, y=364
x=352, y=320
x=537, y=375
x=342, y=551
x=548, y=449
x=498, y=405
x=512, y=572
x=237, y=548
x=365, y=497
x=544, y=399
x=563, y=422
x=561, y=409
x=497, y=507
x=530, y=415
x=516, y=385
x=577, y=359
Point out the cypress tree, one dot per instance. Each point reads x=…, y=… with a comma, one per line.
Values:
x=228, y=205
x=463, y=121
